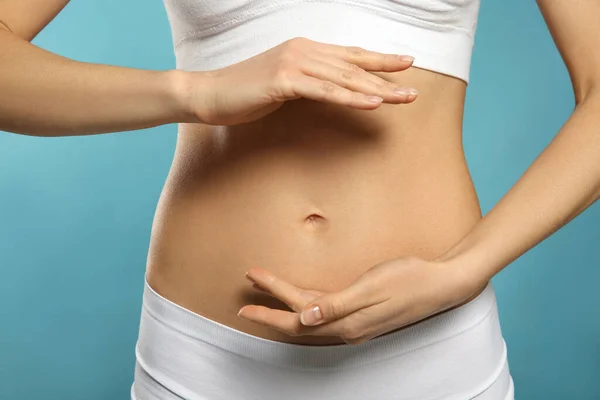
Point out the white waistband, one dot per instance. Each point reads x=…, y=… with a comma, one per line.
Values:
x=289, y=355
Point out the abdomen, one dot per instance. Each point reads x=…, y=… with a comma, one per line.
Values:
x=315, y=193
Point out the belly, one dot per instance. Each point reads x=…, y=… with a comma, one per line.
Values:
x=315, y=193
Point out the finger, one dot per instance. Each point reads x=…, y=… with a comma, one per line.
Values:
x=313, y=293
x=295, y=297
x=358, y=80
x=257, y=287
x=328, y=92
x=338, y=62
x=367, y=59
x=333, y=306
x=353, y=326
x=344, y=65
x=284, y=321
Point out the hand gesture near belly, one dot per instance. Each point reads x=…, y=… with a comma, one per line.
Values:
x=388, y=296
x=297, y=68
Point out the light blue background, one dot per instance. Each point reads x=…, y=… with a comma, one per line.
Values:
x=76, y=213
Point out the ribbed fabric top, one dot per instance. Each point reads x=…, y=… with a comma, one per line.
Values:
x=212, y=34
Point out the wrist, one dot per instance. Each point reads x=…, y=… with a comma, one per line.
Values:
x=183, y=88
x=468, y=265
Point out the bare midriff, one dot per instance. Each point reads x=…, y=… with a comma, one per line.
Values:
x=316, y=193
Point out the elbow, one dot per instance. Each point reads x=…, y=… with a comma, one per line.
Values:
x=5, y=27
x=28, y=36
x=586, y=88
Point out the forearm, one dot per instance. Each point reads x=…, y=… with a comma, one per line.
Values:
x=561, y=183
x=45, y=94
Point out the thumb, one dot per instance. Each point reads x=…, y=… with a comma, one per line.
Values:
x=332, y=306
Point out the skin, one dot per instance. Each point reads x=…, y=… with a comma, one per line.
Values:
x=561, y=183
x=320, y=196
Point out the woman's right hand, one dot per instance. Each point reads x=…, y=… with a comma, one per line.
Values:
x=296, y=68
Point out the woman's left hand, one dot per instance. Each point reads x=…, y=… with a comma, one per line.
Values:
x=390, y=295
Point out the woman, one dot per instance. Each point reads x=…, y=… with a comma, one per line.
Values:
x=361, y=210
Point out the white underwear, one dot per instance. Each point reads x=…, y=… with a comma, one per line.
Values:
x=457, y=355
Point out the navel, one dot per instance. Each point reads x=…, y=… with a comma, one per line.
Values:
x=314, y=219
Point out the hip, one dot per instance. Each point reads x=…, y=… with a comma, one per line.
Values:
x=456, y=355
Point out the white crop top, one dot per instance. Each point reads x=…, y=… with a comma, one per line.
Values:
x=212, y=34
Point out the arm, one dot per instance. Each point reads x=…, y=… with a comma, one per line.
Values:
x=562, y=182
x=565, y=178
x=45, y=94
x=48, y=95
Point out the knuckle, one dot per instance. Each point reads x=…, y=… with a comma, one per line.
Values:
x=381, y=88
x=347, y=75
x=355, y=51
x=355, y=336
x=287, y=58
x=355, y=68
x=282, y=86
x=297, y=42
x=336, y=307
x=328, y=87
x=283, y=70
x=348, y=331
x=291, y=51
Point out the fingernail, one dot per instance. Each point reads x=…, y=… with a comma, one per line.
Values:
x=406, y=91
x=402, y=91
x=406, y=58
x=374, y=99
x=312, y=316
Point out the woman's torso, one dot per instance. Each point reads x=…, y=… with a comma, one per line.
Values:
x=385, y=183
